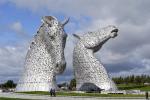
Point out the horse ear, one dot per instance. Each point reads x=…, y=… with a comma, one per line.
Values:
x=65, y=21
x=77, y=36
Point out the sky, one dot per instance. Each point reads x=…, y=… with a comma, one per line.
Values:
x=127, y=54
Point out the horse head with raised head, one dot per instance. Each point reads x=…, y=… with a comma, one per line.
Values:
x=90, y=74
x=94, y=40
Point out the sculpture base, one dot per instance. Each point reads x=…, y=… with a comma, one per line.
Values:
x=35, y=87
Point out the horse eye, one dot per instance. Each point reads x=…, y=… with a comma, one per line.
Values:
x=52, y=37
x=49, y=25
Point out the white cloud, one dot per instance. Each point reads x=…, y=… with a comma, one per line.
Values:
x=145, y=69
x=11, y=62
x=130, y=11
x=132, y=17
x=17, y=26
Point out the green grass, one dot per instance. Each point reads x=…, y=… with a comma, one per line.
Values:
x=83, y=94
x=146, y=88
x=4, y=98
x=133, y=87
x=120, y=87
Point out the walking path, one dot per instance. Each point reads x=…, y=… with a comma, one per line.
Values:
x=47, y=97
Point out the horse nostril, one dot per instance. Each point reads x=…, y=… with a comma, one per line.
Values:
x=115, y=30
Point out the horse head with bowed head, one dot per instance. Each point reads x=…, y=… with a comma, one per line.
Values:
x=45, y=57
x=56, y=39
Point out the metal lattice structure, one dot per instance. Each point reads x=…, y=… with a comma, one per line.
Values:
x=90, y=74
x=45, y=57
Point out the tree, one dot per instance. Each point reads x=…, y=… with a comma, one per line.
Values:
x=9, y=84
x=72, y=84
x=140, y=79
x=65, y=84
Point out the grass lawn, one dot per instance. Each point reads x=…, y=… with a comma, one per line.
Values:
x=83, y=94
x=3, y=98
x=146, y=88
x=133, y=87
x=120, y=87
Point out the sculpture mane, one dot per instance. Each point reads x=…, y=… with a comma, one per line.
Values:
x=45, y=57
x=90, y=74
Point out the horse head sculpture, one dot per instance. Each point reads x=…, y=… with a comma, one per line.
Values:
x=45, y=57
x=90, y=74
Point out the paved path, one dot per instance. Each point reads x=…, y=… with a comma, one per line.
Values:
x=46, y=97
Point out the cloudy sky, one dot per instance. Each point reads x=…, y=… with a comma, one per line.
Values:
x=128, y=53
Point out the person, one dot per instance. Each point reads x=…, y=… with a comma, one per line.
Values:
x=51, y=92
x=54, y=92
x=146, y=94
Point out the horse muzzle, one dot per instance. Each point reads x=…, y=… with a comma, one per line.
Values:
x=114, y=33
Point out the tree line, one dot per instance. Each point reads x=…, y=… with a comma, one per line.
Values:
x=8, y=84
x=139, y=79
x=132, y=79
